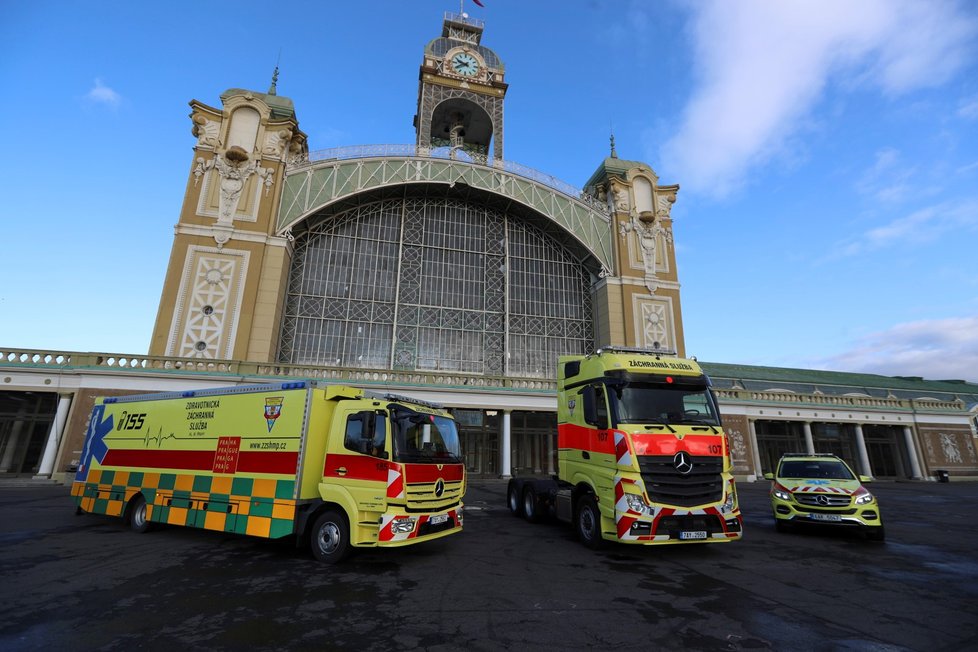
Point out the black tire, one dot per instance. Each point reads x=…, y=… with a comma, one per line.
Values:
x=138, y=521
x=532, y=509
x=513, y=500
x=330, y=538
x=588, y=523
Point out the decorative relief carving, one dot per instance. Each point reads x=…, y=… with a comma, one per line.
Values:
x=655, y=324
x=649, y=231
x=234, y=168
x=205, y=130
x=621, y=198
x=949, y=445
x=738, y=448
x=210, y=297
x=664, y=204
x=277, y=142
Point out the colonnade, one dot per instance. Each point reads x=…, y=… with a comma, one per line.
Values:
x=862, y=453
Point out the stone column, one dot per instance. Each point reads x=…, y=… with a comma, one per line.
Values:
x=505, y=455
x=809, y=440
x=54, y=437
x=755, y=450
x=866, y=469
x=912, y=454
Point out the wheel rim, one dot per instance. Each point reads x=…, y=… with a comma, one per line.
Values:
x=587, y=523
x=329, y=538
x=139, y=515
x=529, y=503
x=514, y=501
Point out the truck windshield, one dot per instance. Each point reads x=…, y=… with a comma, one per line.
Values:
x=422, y=437
x=639, y=402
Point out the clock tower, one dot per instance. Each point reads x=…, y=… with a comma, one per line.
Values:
x=461, y=92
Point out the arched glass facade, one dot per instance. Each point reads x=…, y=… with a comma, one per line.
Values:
x=434, y=284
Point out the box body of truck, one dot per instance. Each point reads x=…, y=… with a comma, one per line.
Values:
x=277, y=460
x=642, y=456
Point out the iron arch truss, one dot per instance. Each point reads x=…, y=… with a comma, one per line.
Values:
x=310, y=186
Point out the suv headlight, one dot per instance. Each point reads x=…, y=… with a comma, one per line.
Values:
x=865, y=499
x=781, y=493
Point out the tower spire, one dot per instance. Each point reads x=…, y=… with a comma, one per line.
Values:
x=271, y=89
x=614, y=154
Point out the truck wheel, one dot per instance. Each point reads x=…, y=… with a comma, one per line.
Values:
x=513, y=499
x=330, y=538
x=531, y=506
x=137, y=514
x=588, y=523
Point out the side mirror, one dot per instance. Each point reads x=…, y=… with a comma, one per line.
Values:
x=865, y=478
x=769, y=476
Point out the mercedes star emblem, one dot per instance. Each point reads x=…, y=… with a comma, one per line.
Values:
x=683, y=462
x=439, y=488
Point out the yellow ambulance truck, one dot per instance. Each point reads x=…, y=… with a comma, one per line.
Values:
x=336, y=466
x=642, y=456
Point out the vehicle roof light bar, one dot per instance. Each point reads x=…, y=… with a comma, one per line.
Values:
x=404, y=399
x=656, y=350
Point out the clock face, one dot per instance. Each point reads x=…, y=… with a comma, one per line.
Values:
x=465, y=64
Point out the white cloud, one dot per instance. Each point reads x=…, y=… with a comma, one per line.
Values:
x=920, y=227
x=968, y=108
x=762, y=65
x=887, y=180
x=102, y=94
x=939, y=349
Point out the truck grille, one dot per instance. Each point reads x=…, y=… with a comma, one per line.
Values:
x=823, y=500
x=421, y=496
x=703, y=484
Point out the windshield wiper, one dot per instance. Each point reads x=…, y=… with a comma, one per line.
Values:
x=703, y=422
x=660, y=423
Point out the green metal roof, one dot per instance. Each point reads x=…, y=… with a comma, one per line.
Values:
x=614, y=167
x=281, y=106
x=840, y=381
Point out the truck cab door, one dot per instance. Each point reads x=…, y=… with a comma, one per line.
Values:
x=357, y=463
x=596, y=416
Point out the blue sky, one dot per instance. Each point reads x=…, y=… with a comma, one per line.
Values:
x=827, y=152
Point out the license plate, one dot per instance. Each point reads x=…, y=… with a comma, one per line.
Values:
x=697, y=534
x=438, y=519
x=826, y=517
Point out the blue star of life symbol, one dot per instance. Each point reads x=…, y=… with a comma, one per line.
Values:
x=95, y=441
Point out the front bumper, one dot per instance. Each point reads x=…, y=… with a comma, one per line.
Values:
x=399, y=527
x=851, y=516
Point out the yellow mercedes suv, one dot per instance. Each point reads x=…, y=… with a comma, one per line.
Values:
x=821, y=489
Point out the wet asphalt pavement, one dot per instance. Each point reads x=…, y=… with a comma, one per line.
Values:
x=88, y=583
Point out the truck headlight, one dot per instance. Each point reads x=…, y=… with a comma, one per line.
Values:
x=728, y=503
x=635, y=503
x=403, y=525
x=865, y=499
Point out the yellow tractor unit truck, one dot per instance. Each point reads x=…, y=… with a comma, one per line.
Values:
x=334, y=466
x=642, y=457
